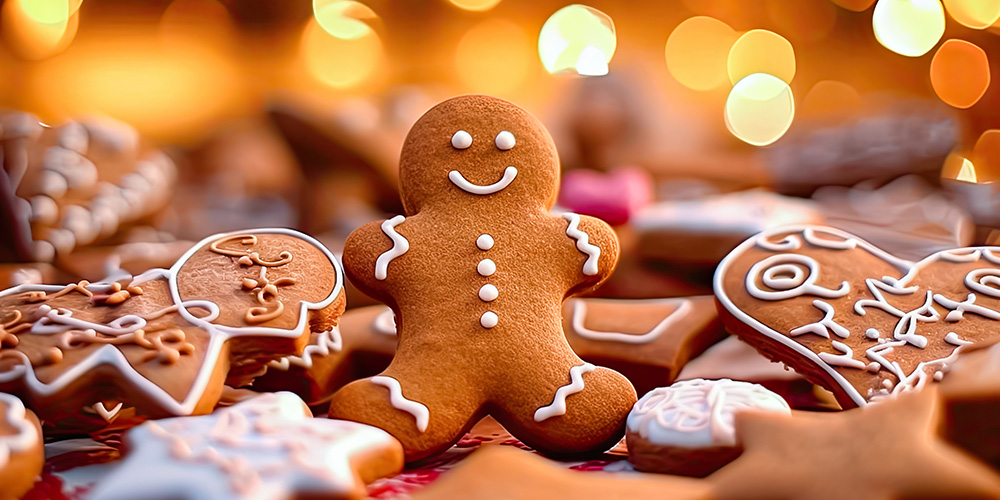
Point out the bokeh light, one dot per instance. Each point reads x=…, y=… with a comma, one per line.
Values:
x=344, y=19
x=51, y=11
x=967, y=172
x=854, y=5
x=340, y=62
x=577, y=38
x=908, y=27
x=494, y=56
x=475, y=5
x=830, y=97
x=960, y=73
x=31, y=39
x=760, y=109
x=986, y=156
x=976, y=14
x=761, y=51
x=697, y=52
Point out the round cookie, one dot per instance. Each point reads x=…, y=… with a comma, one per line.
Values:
x=21, y=451
x=687, y=428
x=476, y=272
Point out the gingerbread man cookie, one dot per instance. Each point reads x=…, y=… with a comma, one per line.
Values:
x=21, y=453
x=476, y=272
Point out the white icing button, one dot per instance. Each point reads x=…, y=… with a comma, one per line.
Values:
x=484, y=242
x=489, y=319
x=505, y=140
x=488, y=293
x=461, y=140
x=486, y=267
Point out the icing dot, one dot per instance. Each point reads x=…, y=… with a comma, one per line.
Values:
x=484, y=242
x=871, y=333
x=461, y=140
x=486, y=267
x=505, y=140
x=488, y=293
x=489, y=319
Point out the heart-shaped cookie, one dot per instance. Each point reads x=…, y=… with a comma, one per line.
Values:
x=853, y=318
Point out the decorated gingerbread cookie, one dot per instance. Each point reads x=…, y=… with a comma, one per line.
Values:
x=268, y=447
x=819, y=456
x=85, y=356
x=476, y=272
x=853, y=318
x=687, y=428
x=648, y=341
x=21, y=452
x=362, y=345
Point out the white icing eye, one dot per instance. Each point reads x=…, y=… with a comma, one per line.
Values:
x=505, y=140
x=461, y=140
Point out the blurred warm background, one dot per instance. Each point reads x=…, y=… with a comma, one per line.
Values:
x=687, y=124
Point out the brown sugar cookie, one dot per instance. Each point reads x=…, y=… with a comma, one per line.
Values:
x=648, y=341
x=476, y=272
x=265, y=447
x=852, y=318
x=971, y=398
x=21, y=451
x=361, y=345
x=885, y=451
x=87, y=356
x=503, y=472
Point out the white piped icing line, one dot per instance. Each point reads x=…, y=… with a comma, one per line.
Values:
x=219, y=334
x=583, y=244
x=461, y=140
x=399, y=402
x=699, y=413
x=385, y=322
x=265, y=447
x=108, y=415
x=684, y=307
x=400, y=245
x=558, y=406
x=327, y=342
x=459, y=180
x=25, y=435
x=786, y=279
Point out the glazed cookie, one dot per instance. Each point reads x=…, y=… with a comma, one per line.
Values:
x=819, y=456
x=852, y=318
x=21, y=452
x=687, y=428
x=267, y=447
x=476, y=272
x=648, y=341
x=361, y=346
x=86, y=356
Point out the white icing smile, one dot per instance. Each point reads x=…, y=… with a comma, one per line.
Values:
x=459, y=180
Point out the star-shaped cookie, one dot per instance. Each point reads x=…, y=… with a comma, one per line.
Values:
x=889, y=450
x=268, y=447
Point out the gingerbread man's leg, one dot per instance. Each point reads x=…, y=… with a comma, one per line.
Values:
x=426, y=410
x=566, y=407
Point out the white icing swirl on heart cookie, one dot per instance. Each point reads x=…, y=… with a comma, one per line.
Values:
x=699, y=413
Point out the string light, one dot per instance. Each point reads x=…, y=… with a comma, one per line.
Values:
x=760, y=109
x=960, y=73
x=697, y=52
x=577, y=38
x=908, y=27
x=761, y=51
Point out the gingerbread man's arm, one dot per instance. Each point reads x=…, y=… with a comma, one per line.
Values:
x=597, y=247
x=369, y=253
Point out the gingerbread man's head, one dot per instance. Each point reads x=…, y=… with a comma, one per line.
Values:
x=473, y=148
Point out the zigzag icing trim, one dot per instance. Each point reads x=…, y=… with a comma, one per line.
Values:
x=583, y=243
x=399, y=402
x=558, y=406
x=400, y=245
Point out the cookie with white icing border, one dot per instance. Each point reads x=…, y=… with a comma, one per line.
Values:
x=687, y=428
x=267, y=447
x=648, y=340
x=21, y=451
x=852, y=318
x=476, y=272
x=90, y=356
x=362, y=345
